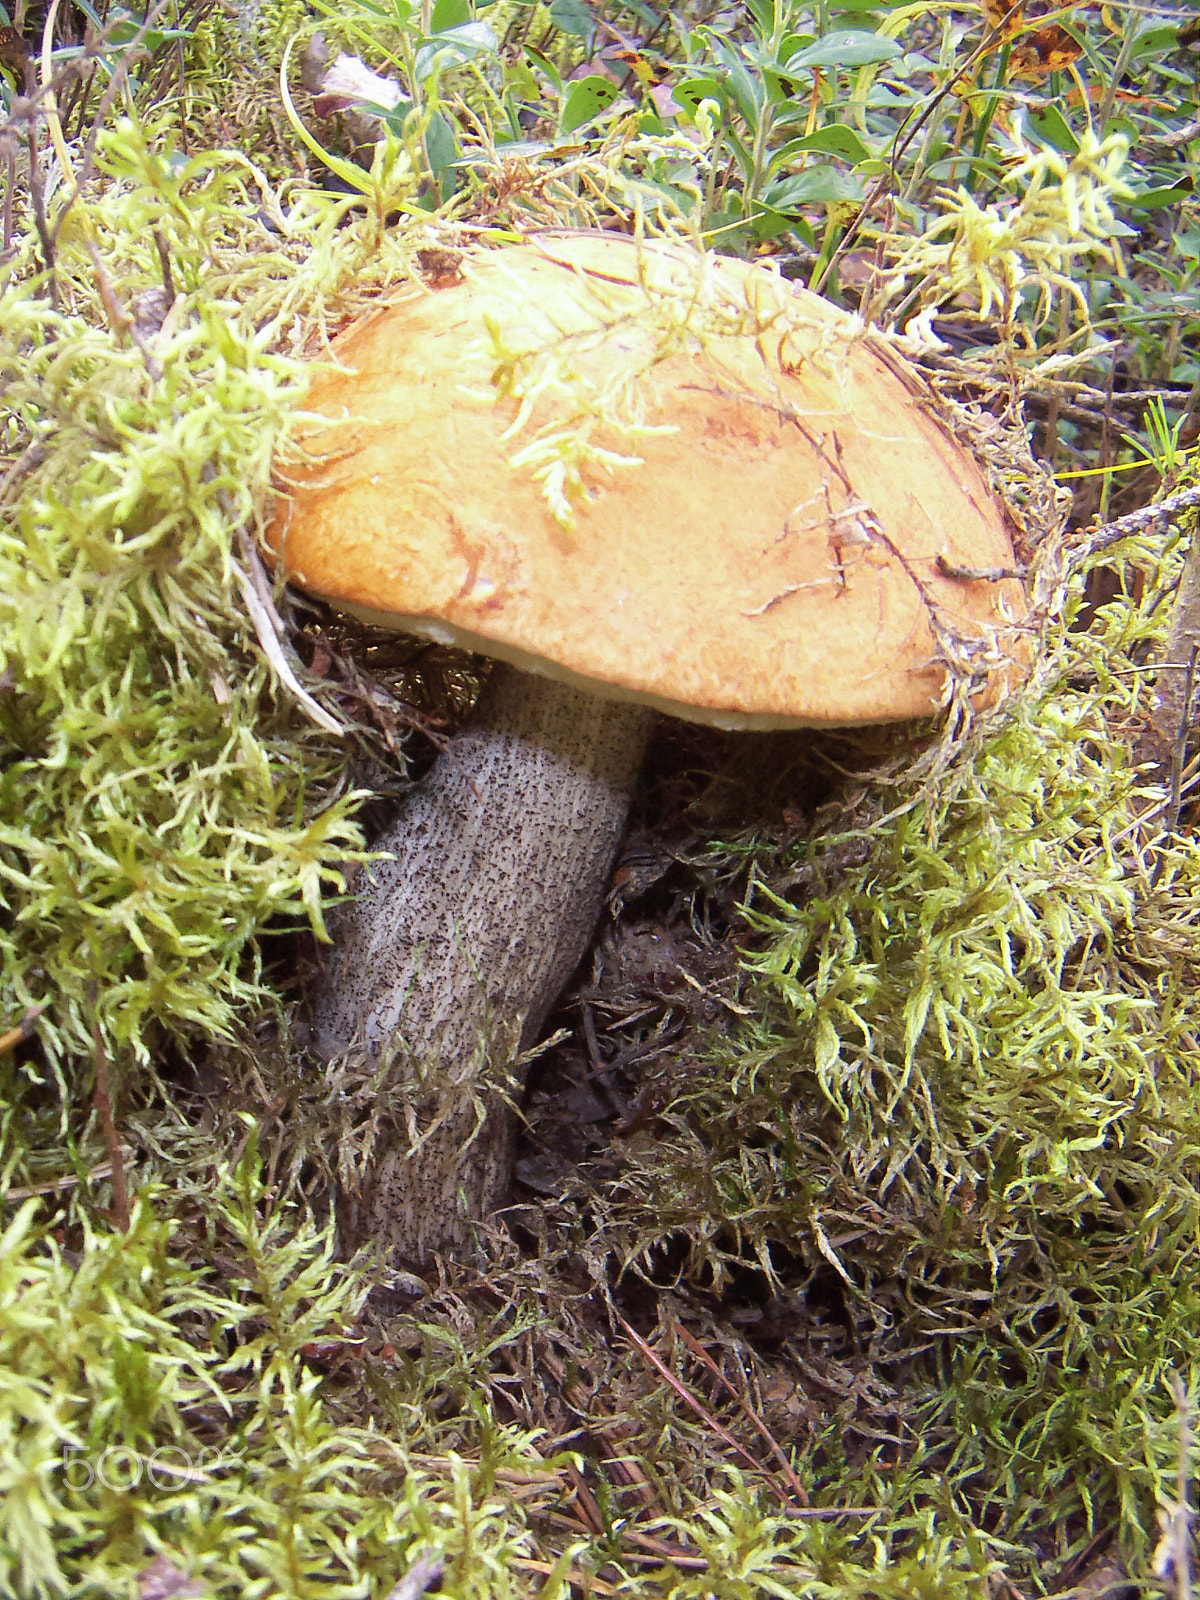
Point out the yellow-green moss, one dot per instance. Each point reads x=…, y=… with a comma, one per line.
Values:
x=970, y=1097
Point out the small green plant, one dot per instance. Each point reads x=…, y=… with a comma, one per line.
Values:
x=886, y=133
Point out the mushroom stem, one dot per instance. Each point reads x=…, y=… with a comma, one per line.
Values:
x=446, y=967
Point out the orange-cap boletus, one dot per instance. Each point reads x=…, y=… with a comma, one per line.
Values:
x=646, y=479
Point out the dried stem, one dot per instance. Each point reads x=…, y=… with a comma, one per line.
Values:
x=267, y=625
x=102, y=1100
x=1180, y=1553
x=1169, y=722
x=23, y=1030
x=129, y=55
x=1140, y=521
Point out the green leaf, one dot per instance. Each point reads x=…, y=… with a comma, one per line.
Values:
x=690, y=93
x=1156, y=199
x=746, y=88
x=449, y=14
x=816, y=186
x=452, y=48
x=573, y=17
x=1155, y=42
x=586, y=98
x=845, y=47
x=392, y=117
x=441, y=145
x=835, y=140
x=537, y=59
x=769, y=224
x=470, y=37
x=1052, y=127
x=153, y=39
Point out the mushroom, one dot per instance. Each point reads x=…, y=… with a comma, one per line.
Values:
x=640, y=479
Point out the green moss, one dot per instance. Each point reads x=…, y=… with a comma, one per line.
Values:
x=152, y=1407
x=160, y=800
x=970, y=1096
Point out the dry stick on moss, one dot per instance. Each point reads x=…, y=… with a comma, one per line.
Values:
x=686, y=1395
x=752, y=1416
x=1083, y=393
x=119, y=318
x=37, y=200
x=68, y=1180
x=689, y=1398
x=1109, y=533
x=164, y=261
x=607, y=1435
x=1164, y=739
x=802, y=1512
x=660, y=1550
x=102, y=1100
x=422, y=1575
x=22, y=1031
x=28, y=461
x=1179, y=753
x=6, y=225
x=37, y=101
x=575, y=1577
x=268, y=626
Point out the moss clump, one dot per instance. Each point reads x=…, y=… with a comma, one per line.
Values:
x=160, y=800
x=967, y=1107
x=159, y=1415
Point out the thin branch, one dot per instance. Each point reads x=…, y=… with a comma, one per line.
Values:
x=69, y=1180
x=1148, y=517
x=889, y=181
x=102, y=1100
x=686, y=1395
x=128, y=56
x=118, y=316
x=752, y=1416
x=1179, y=753
x=37, y=199
x=23, y=1030
x=1181, y=1522
x=422, y=1575
x=164, y=261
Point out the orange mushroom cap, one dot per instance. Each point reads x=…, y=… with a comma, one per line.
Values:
x=775, y=548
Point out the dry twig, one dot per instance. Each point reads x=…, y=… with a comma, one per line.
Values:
x=764, y=1432
x=102, y=1099
x=1153, y=516
x=22, y=1031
